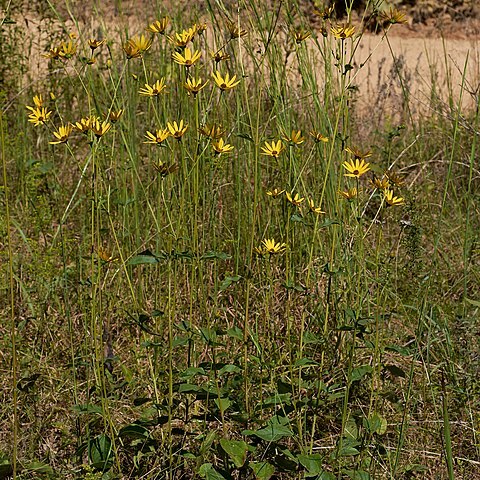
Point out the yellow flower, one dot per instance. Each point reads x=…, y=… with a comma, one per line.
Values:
x=53, y=53
x=85, y=124
x=294, y=138
x=235, y=30
x=38, y=100
x=158, y=137
x=136, y=46
x=393, y=16
x=158, y=26
x=276, y=192
x=391, y=199
x=153, y=90
x=326, y=13
x=212, y=131
x=342, y=31
x=358, y=154
x=100, y=129
x=219, y=56
x=62, y=134
x=194, y=85
x=274, y=149
x=183, y=38
x=318, y=137
x=395, y=178
x=200, y=28
x=300, y=35
x=177, y=131
x=38, y=115
x=356, y=168
x=94, y=43
x=224, y=83
x=380, y=183
x=165, y=169
x=188, y=58
x=348, y=194
x=295, y=200
x=220, y=147
x=67, y=49
x=105, y=255
x=271, y=247
x=313, y=208
x=115, y=116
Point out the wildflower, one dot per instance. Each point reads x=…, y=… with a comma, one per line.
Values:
x=219, y=56
x=326, y=13
x=295, y=200
x=212, y=131
x=38, y=115
x=188, y=58
x=395, y=178
x=391, y=199
x=380, y=183
x=38, y=101
x=105, y=255
x=194, y=85
x=356, y=168
x=158, y=26
x=294, y=138
x=276, y=192
x=349, y=194
x=158, y=137
x=94, y=43
x=201, y=27
x=393, y=16
x=85, y=124
x=100, y=129
x=114, y=116
x=318, y=137
x=53, y=53
x=312, y=208
x=165, y=169
x=136, y=46
x=62, y=134
x=183, y=38
x=274, y=149
x=271, y=247
x=220, y=147
x=67, y=49
x=224, y=83
x=153, y=90
x=177, y=131
x=235, y=30
x=342, y=31
x=300, y=35
x=358, y=154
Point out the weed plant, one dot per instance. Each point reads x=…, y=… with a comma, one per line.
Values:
x=214, y=269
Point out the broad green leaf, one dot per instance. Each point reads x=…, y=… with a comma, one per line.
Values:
x=351, y=429
x=313, y=464
x=215, y=256
x=143, y=260
x=357, y=474
x=262, y=470
x=209, y=473
x=227, y=281
x=83, y=408
x=275, y=430
x=134, y=431
x=375, y=424
x=223, y=403
x=359, y=372
x=236, y=450
x=100, y=452
x=39, y=468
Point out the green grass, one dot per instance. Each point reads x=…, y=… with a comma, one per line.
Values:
x=147, y=333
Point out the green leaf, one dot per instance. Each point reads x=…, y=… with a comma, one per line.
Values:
x=235, y=332
x=246, y=136
x=227, y=281
x=475, y=303
x=357, y=474
x=326, y=476
x=143, y=259
x=313, y=464
x=359, y=372
x=100, y=452
x=276, y=429
x=209, y=473
x=236, y=450
x=298, y=218
x=222, y=403
x=262, y=470
x=348, y=451
x=188, y=388
x=395, y=371
x=302, y=362
x=375, y=424
x=84, y=408
x=351, y=429
x=215, y=256
x=134, y=431
x=39, y=468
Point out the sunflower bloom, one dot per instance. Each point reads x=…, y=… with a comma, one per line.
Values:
x=212, y=131
x=326, y=13
x=273, y=149
x=153, y=90
x=85, y=124
x=358, y=154
x=295, y=138
x=194, y=85
x=136, y=46
x=183, y=38
x=342, y=31
x=100, y=129
x=296, y=200
x=67, y=50
x=62, y=134
x=380, y=183
x=349, y=194
x=219, y=56
x=39, y=115
x=177, y=130
x=356, y=168
x=158, y=137
x=224, y=83
x=93, y=43
x=221, y=147
x=393, y=16
x=312, y=208
x=235, y=30
x=271, y=247
x=165, y=169
x=318, y=137
x=395, y=178
x=300, y=35
x=158, y=26
x=53, y=53
x=188, y=58
x=276, y=192
x=391, y=199
x=114, y=116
